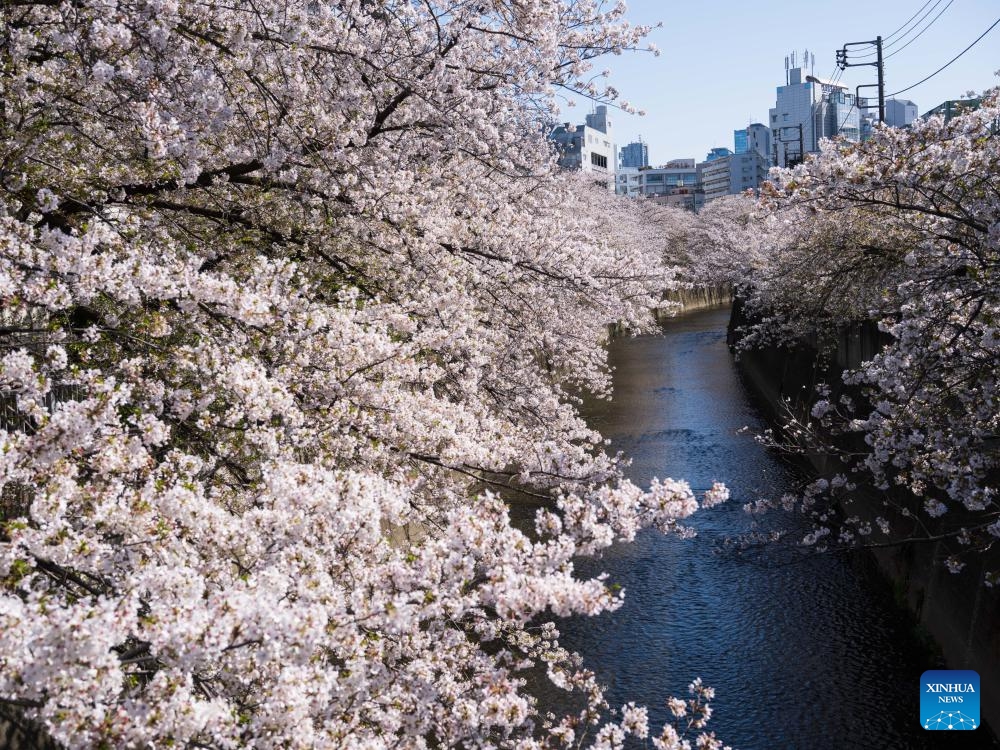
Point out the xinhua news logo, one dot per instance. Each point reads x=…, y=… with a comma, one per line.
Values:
x=949, y=699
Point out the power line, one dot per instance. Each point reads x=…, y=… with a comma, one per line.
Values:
x=921, y=31
x=924, y=80
x=890, y=36
x=892, y=44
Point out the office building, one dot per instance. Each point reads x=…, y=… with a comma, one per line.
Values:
x=714, y=177
x=740, y=141
x=754, y=137
x=807, y=110
x=674, y=184
x=733, y=174
x=634, y=155
x=719, y=152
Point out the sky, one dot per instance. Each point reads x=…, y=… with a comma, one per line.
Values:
x=720, y=62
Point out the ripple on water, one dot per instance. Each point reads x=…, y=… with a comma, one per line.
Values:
x=805, y=652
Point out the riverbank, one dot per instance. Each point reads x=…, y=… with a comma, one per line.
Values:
x=806, y=652
x=957, y=611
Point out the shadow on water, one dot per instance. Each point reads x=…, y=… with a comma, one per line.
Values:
x=808, y=652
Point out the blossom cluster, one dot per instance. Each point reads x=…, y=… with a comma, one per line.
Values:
x=292, y=300
x=902, y=230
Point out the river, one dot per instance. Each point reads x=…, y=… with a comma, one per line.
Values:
x=805, y=652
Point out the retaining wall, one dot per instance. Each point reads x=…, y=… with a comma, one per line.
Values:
x=958, y=611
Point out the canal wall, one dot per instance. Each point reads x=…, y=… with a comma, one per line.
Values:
x=687, y=300
x=695, y=298
x=957, y=611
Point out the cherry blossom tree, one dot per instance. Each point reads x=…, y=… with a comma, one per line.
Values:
x=291, y=294
x=904, y=230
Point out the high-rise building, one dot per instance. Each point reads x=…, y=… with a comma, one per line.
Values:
x=740, y=142
x=899, y=113
x=589, y=147
x=759, y=140
x=635, y=155
x=754, y=137
x=807, y=110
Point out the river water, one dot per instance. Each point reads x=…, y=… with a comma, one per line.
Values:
x=805, y=652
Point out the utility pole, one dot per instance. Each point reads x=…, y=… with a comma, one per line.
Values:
x=778, y=138
x=881, y=81
x=843, y=64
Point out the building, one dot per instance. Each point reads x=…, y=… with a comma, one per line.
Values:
x=650, y=181
x=628, y=182
x=899, y=113
x=675, y=184
x=733, y=174
x=690, y=199
x=807, y=110
x=589, y=147
x=754, y=137
x=740, y=141
x=714, y=177
x=634, y=155
x=747, y=171
x=759, y=140
x=719, y=152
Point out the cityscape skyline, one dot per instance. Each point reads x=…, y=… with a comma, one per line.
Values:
x=711, y=78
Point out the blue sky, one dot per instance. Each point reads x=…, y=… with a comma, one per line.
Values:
x=721, y=61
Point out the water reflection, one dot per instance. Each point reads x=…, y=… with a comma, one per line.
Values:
x=807, y=655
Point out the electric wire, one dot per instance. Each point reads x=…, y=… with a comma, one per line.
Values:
x=924, y=80
x=890, y=36
x=921, y=32
x=892, y=44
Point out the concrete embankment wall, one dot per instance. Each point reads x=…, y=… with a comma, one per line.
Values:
x=698, y=298
x=958, y=611
x=689, y=300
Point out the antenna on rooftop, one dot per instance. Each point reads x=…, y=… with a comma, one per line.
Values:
x=786, y=70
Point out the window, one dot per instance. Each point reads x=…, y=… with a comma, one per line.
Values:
x=598, y=160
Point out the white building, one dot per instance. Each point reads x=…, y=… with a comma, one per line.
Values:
x=589, y=147
x=807, y=110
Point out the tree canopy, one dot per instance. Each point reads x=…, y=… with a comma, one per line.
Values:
x=290, y=291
